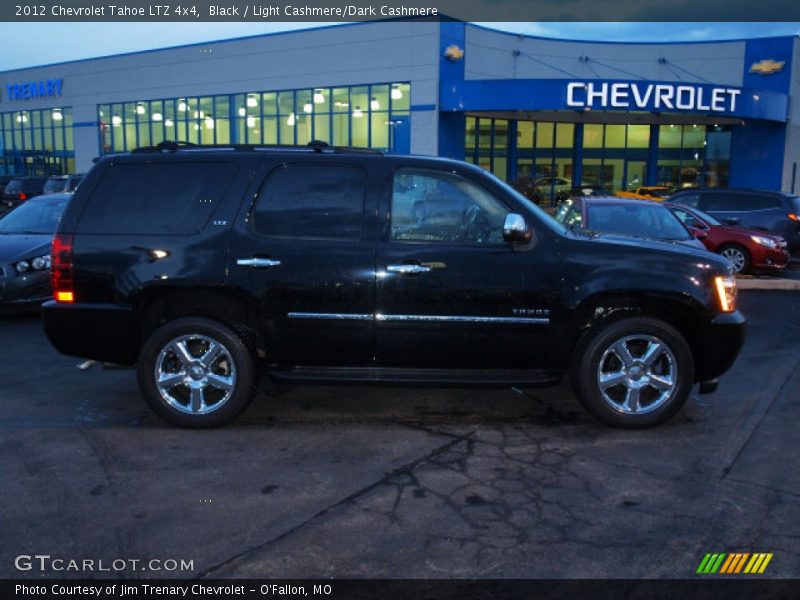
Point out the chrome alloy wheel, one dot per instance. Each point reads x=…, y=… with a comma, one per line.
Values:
x=736, y=257
x=195, y=374
x=637, y=374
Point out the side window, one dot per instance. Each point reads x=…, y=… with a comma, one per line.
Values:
x=759, y=202
x=311, y=201
x=722, y=203
x=437, y=206
x=173, y=198
x=574, y=217
x=692, y=200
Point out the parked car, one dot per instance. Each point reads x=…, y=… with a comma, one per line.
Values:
x=25, y=237
x=656, y=193
x=20, y=189
x=635, y=218
x=57, y=184
x=206, y=267
x=747, y=249
x=775, y=212
x=587, y=189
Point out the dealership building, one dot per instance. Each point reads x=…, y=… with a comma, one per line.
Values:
x=620, y=115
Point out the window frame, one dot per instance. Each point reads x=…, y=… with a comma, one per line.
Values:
x=251, y=213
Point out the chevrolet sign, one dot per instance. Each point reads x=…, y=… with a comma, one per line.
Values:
x=651, y=96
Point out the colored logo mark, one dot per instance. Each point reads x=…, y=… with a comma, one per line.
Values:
x=767, y=66
x=453, y=53
x=734, y=563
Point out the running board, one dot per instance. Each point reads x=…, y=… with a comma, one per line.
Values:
x=425, y=377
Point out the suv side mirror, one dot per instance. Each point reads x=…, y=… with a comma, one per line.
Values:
x=515, y=229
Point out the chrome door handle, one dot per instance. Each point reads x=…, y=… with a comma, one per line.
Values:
x=258, y=263
x=408, y=269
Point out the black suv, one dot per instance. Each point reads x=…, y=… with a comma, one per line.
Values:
x=207, y=266
x=776, y=212
x=20, y=189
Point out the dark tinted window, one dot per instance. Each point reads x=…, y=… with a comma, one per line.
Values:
x=724, y=202
x=55, y=185
x=156, y=198
x=311, y=201
x=15, y=185
x=759, y=201
x=794, y=204
x=687, y=199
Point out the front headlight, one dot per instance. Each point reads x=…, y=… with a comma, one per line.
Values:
x=725, y=286
x=764, y=241
x=40, y=263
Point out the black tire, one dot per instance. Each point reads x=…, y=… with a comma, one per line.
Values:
x=234, y=367
x=742, y=265
x=656, y=404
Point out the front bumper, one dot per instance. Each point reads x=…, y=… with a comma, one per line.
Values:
x=767, y=259
x=103, y=332
x=720, y=341
x=26, y=291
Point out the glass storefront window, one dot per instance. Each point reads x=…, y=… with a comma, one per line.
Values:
x=360, y=115
x=592, y=136
x=37, y=142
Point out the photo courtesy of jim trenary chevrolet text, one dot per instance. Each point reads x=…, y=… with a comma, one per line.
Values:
x=409, y=299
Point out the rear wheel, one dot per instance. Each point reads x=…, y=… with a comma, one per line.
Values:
x=634, y=372
x=196, y=372
x=739, y=257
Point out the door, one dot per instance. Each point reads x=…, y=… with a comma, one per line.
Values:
x=302, y=252
x=401, y=135
x=450, y=292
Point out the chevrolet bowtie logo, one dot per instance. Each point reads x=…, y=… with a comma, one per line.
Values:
x=767, y=66
x=453, y=53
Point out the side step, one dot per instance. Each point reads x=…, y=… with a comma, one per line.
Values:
x=422, y=377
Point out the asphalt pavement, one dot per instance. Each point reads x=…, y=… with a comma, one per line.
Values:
x=402, y=483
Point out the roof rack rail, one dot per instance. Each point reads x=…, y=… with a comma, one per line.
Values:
x=316, y=146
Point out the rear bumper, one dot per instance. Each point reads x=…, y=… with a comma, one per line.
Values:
x=104, y=332
x=720, y=342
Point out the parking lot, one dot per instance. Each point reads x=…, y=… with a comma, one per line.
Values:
x=396, y=482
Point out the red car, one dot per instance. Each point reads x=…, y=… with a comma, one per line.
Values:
x=748, y=249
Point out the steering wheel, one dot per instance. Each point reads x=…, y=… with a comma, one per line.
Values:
x=475, y=225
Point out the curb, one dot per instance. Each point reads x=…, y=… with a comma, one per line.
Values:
x=769, y=284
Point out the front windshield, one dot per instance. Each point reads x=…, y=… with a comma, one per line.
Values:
x=543, y=216
x=636, y=220
x=36, y=216
x=707, y=217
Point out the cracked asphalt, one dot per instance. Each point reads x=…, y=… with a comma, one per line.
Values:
x=402, y=483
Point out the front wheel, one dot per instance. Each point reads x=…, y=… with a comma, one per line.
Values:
x=196, y=372
x=634, y=372
x=739, y=257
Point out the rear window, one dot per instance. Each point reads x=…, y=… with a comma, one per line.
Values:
x=794, y=203
x=14, y=185
x=54, y=185
x=156, y=198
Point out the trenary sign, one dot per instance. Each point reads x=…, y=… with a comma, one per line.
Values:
x=651, y=96
x=30, y=90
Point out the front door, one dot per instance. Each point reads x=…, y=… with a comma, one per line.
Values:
x=450, y=292
x=301, y=250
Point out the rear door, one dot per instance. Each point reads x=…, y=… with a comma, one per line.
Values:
x=302, y=248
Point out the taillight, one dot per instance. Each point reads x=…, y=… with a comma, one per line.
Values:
x=61, y=268
x=793, y=217
x=23, y=196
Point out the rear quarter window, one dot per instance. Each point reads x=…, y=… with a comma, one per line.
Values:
x=175, y=198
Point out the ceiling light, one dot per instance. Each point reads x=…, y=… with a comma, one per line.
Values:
x=252, y=101
x=182, y=106
x=308, y=107
x=397, y=93
x=209, y=123
x=319, y=97
x=357, y=114
x=242, y=112
x=291, y=120
x=116, y=120
x=140, y=109
x=251, y=121
x=374, y=104
x=57, y=116
x=158, y=116
x=169, y=123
